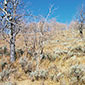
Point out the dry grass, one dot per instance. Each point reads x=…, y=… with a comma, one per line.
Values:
x=61, y=45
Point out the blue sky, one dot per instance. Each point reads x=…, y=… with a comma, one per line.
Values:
x=66, y=9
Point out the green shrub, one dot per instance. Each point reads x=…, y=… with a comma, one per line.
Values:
x=77, y=74
x=39, y=74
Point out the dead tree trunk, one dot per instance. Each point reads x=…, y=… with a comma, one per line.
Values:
x=81, y=30
x=12, y=45
x=81, y=21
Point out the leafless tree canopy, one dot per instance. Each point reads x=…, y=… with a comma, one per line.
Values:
x=11, y=20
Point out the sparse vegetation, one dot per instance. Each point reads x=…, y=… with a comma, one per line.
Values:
x=40, y=52
x=77, y=74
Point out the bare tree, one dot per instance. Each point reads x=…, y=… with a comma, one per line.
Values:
x=81, y=20
x=11, y=20
x=44, y=27
x=36, y=31
x=30, y=39
x=34, y=28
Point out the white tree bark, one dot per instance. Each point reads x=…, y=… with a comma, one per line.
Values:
x=12, y=48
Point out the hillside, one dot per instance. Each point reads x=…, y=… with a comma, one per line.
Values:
x=63, y=64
